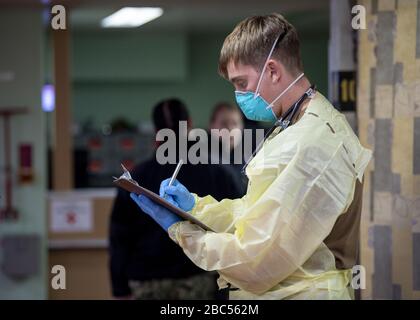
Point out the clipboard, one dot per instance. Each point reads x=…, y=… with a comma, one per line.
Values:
x=127, y=183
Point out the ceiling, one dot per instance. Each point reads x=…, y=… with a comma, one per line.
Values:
x=190, y=15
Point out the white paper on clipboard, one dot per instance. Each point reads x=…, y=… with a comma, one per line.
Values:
x=127, y=183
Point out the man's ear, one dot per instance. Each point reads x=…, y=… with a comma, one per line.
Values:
x=275, y=70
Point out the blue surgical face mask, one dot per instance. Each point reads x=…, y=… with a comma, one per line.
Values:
x=253, y=105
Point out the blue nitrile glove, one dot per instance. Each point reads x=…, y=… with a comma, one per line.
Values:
x=161, y=215
x=177, y=194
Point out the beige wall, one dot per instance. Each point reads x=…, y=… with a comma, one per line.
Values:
x=389, y=123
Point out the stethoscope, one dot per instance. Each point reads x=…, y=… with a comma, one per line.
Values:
x=283, y=122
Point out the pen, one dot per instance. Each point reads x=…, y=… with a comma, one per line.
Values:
x=180, y=163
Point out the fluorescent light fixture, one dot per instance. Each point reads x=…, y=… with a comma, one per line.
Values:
x=131, y=17
x=48, y=98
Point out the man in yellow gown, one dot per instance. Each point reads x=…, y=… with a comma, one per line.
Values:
x=294, y=235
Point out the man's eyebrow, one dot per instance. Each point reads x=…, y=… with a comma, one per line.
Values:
x=235, y=79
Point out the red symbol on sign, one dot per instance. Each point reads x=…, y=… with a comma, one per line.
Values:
x=71, y=218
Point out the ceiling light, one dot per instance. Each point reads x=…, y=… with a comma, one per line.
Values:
x=131, y=17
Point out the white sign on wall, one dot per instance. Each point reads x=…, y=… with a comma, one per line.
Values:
x=71, y=216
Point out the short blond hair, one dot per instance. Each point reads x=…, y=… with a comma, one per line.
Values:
x=251, y=40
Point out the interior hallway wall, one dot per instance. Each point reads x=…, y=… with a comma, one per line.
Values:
x=179, y=63
x=200, y=86
x=21, y=48
x=389, y=123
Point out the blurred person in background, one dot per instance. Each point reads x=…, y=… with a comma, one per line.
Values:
x=226, y=116
x=144, y=262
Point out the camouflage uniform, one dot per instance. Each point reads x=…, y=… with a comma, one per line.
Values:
x=201, y=286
